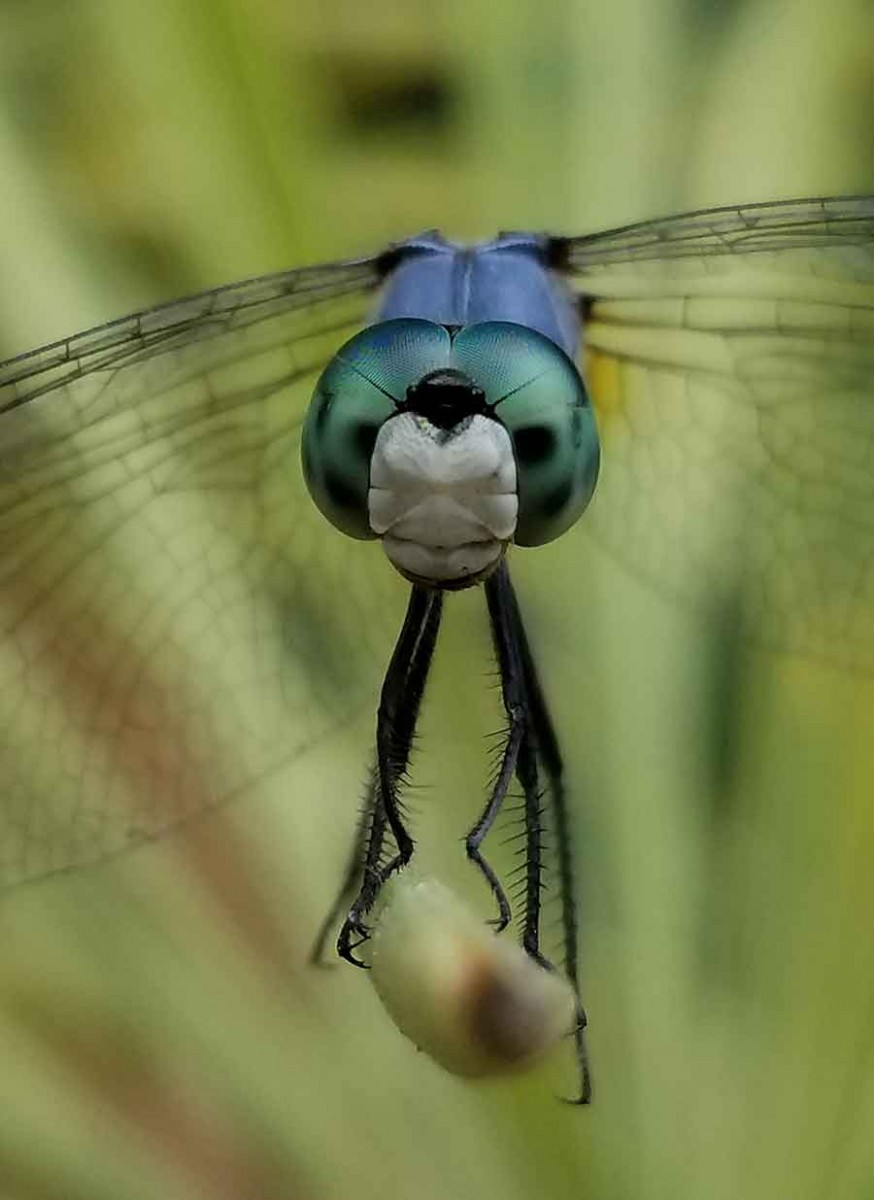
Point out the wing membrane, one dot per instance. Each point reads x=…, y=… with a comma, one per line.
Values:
x=731, y=359
x=837, y=221
x=170, y=633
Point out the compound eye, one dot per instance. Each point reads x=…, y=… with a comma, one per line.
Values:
x=356, y=394
x=536, y=392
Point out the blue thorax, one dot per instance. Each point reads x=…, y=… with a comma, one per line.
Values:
x=507, y=279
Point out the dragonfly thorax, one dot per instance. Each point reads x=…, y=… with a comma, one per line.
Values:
x=443, y=500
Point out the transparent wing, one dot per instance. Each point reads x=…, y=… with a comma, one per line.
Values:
x=730, y=355
x=176, y=622
x=836, y=222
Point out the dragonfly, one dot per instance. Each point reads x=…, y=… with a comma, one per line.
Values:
x=165, y=481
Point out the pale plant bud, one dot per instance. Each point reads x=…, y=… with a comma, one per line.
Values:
x=472, y=1000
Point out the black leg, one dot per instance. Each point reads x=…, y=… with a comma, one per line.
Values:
x=526, y=772
x=369, y=830
x=550, y=757
x=512, y=690
x=520, y=756
x=399, y=705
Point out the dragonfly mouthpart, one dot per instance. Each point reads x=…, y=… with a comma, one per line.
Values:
x=445, y=398
x=443, y=499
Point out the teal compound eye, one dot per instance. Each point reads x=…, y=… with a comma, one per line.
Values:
x=536, y=392
x=358, y=391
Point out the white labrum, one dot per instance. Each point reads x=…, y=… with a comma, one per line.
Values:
x=443, y=500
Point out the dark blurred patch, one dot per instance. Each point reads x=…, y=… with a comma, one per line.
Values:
x=722, y=954
x=155, y=256
x=727, y=673
x=713, y=20
x=382, y=98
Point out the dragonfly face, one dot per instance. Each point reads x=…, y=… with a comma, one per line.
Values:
x=448, y=442
x=729, y=355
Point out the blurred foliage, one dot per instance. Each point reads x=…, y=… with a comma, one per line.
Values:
x=159, y=1033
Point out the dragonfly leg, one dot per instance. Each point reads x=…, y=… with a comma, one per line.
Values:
x=549, y=755
x=512, y=688
x=520, y=754
x=399, y=706
x=367, y=842
x=354, y=932
x=526, y=773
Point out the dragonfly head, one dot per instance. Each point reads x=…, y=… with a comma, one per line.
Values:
x=448, y=443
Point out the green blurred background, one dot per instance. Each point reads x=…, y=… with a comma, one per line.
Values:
x=159, y=1034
